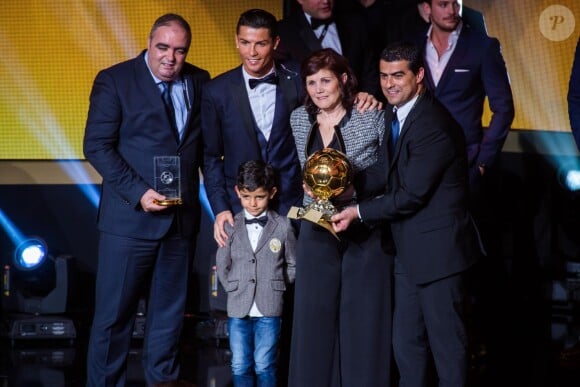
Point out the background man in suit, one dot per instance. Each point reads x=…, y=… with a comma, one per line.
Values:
x=463, y=66
x=243, y=120
x=426, y=203
x=254, y=266
x=315, y=26
x=144, y=244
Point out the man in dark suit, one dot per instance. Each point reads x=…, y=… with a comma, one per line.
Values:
x=244, y=119
x=426, y=203
x=315, y=26
x=144, y=244
x=463, y=67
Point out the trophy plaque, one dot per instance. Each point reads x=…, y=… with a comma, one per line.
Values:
x=168, y=179
x=327, y=173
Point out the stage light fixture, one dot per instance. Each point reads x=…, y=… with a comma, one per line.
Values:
x=36, y=293
x=30, y=254
x=568, y=175
x=572, y=180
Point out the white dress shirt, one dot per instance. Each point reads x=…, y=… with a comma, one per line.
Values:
x=263, y=103
x=254, y=233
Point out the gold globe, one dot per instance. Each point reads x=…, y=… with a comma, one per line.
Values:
x=327, y=173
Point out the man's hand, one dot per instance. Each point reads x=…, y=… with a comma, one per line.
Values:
x=148, y=201
x=365, y=101
x=219, y=231
x=344, y=218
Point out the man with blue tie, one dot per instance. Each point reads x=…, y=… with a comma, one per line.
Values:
x=141, y=110
x=425, y=203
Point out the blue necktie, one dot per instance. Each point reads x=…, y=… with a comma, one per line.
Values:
x=395, y=129
x=166, y=96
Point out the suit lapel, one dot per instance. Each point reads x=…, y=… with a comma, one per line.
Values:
x=240, y=97
x=148, y=89
x=285, y=95
x=267, y=232
x=193, y=101
x=240, y=229
x=457, y=57
x=407, y=125
x=306, y=33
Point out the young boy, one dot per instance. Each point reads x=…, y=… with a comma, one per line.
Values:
x=254, y=267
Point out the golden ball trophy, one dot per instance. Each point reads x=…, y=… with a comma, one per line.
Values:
x=327, y=173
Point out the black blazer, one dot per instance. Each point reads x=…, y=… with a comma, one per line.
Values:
x=230, y=138
x=476, y=70
x=426, y=195
x=127, y=126
x=297, y=41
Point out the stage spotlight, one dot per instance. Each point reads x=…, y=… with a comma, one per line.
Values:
x=30, y=254
x=569, y=176
x=572, y=180
x=36, y=293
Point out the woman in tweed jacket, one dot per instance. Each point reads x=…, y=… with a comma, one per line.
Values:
x=342, y=308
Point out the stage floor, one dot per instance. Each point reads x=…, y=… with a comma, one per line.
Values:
x=527, y=350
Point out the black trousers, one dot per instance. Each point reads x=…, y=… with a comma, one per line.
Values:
x=342, y=309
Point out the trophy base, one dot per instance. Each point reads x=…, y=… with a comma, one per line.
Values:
x=313, y=216
x=169, y=202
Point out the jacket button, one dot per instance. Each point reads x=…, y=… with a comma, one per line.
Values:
x=253, y=281
x=253, y=260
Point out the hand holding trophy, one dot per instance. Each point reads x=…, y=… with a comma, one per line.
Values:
x=167, y=171
x=327, y=173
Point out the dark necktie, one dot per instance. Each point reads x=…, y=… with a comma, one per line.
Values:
x=271, y=78
x=262, y=220
x=166, y=96
x=315, y=23
x=395, y=129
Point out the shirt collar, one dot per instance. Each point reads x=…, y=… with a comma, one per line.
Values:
x=248, y=76
x=404, y=110
x=452, y=37
x=247, y=215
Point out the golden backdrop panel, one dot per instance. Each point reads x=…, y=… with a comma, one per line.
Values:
x=52, y=50
x=538, y=39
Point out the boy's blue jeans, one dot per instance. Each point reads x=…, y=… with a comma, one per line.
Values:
x=254, y=346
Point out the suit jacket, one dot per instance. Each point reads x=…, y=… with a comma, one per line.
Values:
x=475, y=70
x=297, y=41
x=127, y=126
x=362, y=134
x=426, y=195
x=261, y=275
x=230, y=138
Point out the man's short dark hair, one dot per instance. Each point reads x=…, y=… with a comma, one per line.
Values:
x=398, y=51
x=168, y=19
x=258, y=18
x=255, y=174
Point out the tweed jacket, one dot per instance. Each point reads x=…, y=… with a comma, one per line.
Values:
x=362, y=135
x=260, y=275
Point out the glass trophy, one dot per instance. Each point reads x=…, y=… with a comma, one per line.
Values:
x=168, y=179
